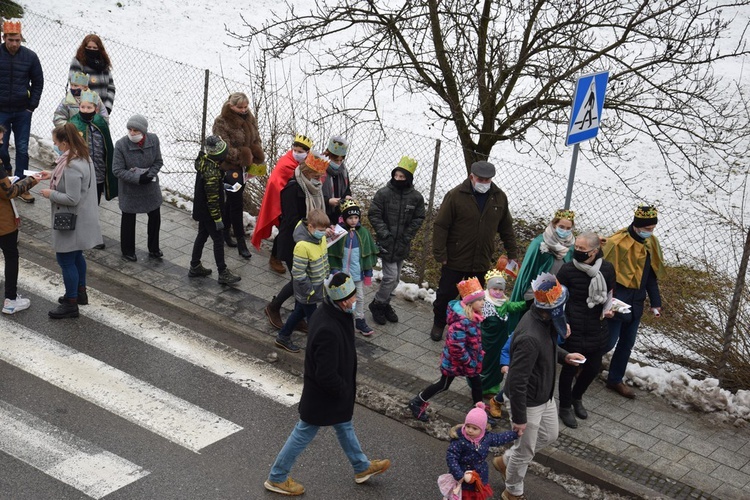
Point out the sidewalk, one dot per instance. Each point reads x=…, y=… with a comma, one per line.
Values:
x=641, y=447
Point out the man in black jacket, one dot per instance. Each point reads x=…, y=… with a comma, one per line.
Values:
x=328, y=390
x=21, y=83
x=531, y=380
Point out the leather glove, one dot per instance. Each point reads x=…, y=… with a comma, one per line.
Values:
x=144, y=178
x=219, y=225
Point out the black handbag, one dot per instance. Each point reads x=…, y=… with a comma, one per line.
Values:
x=64, y=221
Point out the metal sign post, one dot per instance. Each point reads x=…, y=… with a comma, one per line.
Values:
x=588, y=103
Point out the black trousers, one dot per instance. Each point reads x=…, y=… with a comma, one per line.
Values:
x=127, y=232
x=208, y=229
x=447, y=291
x=232, y=213
x=571, y=388
x=286, y=291
x=445, y=382
x=9, y=246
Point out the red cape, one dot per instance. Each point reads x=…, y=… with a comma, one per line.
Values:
x=270, y=207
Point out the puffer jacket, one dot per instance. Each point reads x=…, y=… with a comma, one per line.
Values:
x=396, y=215
x=462, y=354
x=208, y=196
x=97, y=136
x=463, y=455
x=309, y=266
x=588, y=333
x=70, y=106
x=21, y=80
x=464, y=237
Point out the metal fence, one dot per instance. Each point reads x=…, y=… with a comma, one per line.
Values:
x=171, y=95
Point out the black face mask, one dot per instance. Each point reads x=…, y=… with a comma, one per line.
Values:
x=580, y=256
x=75, y=92
x=402, y=184
x=87, y=117
x=94, y=59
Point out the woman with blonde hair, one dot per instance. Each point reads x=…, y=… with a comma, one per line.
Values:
x=92, y=58
x=239, y=129
x=75, y=216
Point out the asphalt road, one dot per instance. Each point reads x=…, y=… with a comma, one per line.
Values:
x=82, y=411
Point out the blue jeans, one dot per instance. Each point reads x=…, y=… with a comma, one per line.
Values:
x=300, y=310
x=73, y=267
x=19, y=123
x=622, y=334
x=301, y=436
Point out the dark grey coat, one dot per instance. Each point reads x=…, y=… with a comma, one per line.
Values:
x=129, y=162
x=396, y=215
x=76, y=193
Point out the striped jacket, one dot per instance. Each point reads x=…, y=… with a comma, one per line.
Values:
x=309, y=265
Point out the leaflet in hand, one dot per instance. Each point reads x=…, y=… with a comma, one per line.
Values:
x=338, y=233
x=615, y=305
x=233, y=188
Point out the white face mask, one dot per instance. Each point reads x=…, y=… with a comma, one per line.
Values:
x=135, y=138
x=351, y=308
x=481, y=187
x=299, y=157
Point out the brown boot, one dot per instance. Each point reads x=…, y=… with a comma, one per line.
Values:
x=274, y=315
x=507, y=495
x=276, y=265
x=499, y=464
x=622, y=389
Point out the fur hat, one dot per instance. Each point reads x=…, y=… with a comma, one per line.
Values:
x=79, y=78
x=341, y=287
x=471, y=290
x=477, y=416
x=216, y=148
x=349, y=208
x=138, y=122
x=338, y=146
x=645, y=215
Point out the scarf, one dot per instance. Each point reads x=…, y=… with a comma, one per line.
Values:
x=313, y=194
x=554, y=245
x=597, y=286
x=57, y=173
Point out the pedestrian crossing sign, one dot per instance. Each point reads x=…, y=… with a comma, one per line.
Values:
x=588, y=103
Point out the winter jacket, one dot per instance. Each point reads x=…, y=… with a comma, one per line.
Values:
x=293, y=210
x=100, y=82
x=330, y=381
x=588, y=332
x=70, y=106
x=335, y=185
x=130, y=161
x=8, y=191
x=208, y=195
x=270, y=207
x=464, y=237
x=531, y=374
x=97, y=136
x=76, y=193
x=339, y=253
x=240, y=132
x=396, y=215
x=21, y=80
x=309, y=266
x=463, y=455
x=462, y=354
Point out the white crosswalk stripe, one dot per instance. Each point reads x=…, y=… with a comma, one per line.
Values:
x=63, y=456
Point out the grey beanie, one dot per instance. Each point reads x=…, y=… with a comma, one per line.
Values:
x=138, y=122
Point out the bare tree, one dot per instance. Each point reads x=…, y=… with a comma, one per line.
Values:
x=503, y=70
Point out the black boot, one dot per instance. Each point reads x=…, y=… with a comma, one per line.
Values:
x=68, y=309
x=242, y=248
x=567, y=417
x=378, y=312
x=436, y=333
x=83, y=297
x=418, y=408
x=580, y=410
x=228, y=239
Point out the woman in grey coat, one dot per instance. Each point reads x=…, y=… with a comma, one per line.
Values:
x=137, y=163
x=72, y=190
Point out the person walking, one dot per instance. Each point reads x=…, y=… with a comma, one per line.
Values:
x=270, y=207
x=590, y=280
x=92, y=59
x=137, y=163
x=639, y=265
x=21, y=84
x=239, y=128
x=396, y=214
x=463, y=238
x=530, y=383
x=74, y=214
x=328, y=390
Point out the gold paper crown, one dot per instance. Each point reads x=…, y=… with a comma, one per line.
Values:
x=12, y=27
x=564, y=213
x=494, y=273
x=469, y=287
x=303, y=139
x=408, y=164
x=646, y=212
x=549, y=296
x=347, y=204
x=316, y=163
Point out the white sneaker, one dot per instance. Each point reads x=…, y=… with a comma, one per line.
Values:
x=13, y=306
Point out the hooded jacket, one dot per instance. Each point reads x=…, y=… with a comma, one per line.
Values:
x=396, y=215
x=465, y=237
